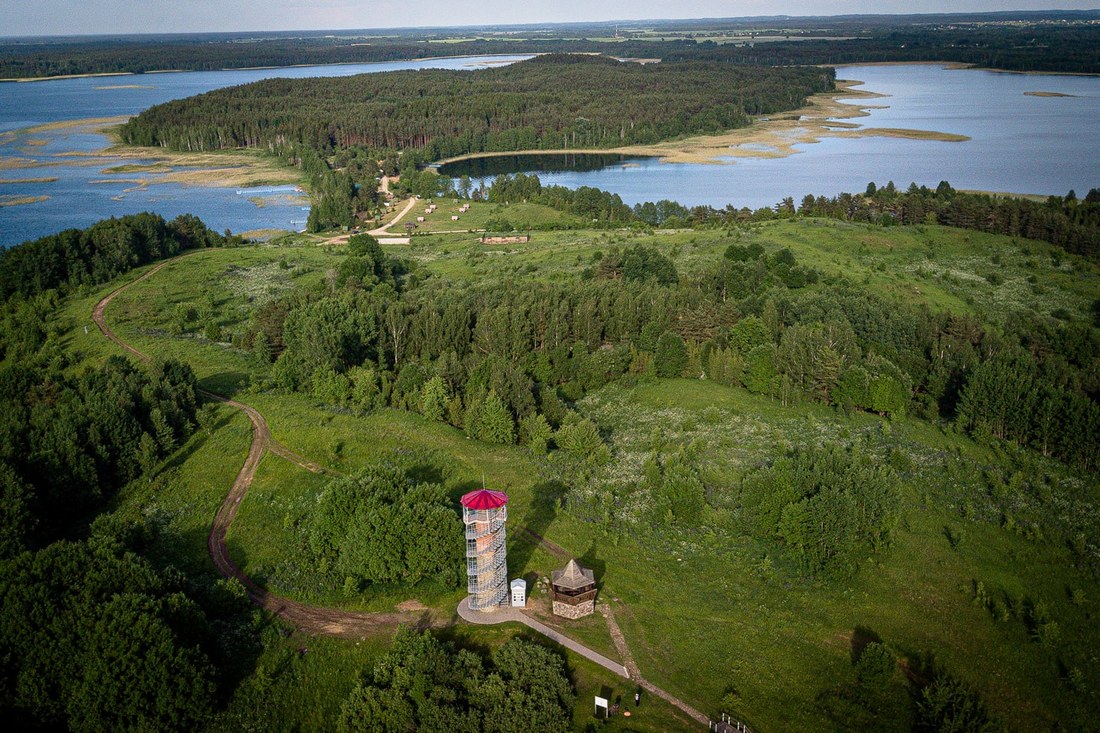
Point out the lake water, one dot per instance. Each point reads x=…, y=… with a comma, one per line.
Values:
x=1019, y=143
x=86, y=190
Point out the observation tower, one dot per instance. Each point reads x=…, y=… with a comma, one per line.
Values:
x=485, y=513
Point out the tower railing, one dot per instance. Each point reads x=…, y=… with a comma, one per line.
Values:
x=481, y=565
x=486, y=564
x=480, y=584
x=474, y=548
x=469, y=516
x=481, y=602
x=480, y=529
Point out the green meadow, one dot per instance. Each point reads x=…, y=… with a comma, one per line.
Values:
x=713, y=616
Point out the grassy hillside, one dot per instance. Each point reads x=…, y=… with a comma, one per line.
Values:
x=991, y=544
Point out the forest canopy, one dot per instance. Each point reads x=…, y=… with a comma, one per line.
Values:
x=425, y=684
x=548, y=102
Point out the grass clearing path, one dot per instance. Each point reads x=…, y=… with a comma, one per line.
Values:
x=635, y=674
x=507, y=613
x=628, y=668
x=309, y=619
x=315, y=620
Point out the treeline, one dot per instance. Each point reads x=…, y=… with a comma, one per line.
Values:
x=51, y=59
x=595, y=206
x=1067, y=221
x=504, y=363
x=549, y=102
x=1018, y=41
x=104, y=250
x=69, y=443
x=1021, y=48
x=93, y=635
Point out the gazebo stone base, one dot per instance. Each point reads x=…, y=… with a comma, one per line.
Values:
x=567, y=610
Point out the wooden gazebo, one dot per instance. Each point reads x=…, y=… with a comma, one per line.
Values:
x=573, y=591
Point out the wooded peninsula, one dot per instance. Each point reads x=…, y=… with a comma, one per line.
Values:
x=547, y=102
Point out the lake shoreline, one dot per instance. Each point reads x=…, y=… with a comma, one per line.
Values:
x=959, y=66
x=22, y=79
x=824, y=115
x=216, y=169
x=954, y=65
x=738, y=163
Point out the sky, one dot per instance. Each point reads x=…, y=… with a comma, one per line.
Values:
x=65, y=17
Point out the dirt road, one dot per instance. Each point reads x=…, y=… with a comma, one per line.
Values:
x=356, y=624
x=384, y=230
x=310, y=619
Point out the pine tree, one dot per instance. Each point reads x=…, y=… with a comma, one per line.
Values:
x=494, y=422
x=166, y=437
x=535, y=432
x=147, y=453
x=671, y=357
x=434, y=398
x=261, y=348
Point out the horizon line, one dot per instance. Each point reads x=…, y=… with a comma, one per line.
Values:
x=1095, y=12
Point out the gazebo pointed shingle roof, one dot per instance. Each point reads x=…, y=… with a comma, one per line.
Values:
x=572, y=577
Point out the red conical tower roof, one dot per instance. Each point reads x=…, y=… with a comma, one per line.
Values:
x=484, y=499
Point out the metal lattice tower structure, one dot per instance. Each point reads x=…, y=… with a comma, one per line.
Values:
x=485, y=513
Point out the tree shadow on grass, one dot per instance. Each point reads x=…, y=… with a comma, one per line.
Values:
x=225, y=383
x=425, y=472
x=194, y=443
x=537, y=519
x=591, y=561
x=463, y=637
x=861, y=637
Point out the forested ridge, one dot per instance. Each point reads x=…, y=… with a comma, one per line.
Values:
x=1025, y=48
x=76, y=257
x=93, y=634
x=549, y=102
x=504, y=362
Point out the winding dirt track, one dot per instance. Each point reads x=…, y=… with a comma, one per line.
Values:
x=309, y=619
x=331, y=621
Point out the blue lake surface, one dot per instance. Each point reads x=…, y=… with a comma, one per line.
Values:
x=1019, y=143
x=86, y=192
